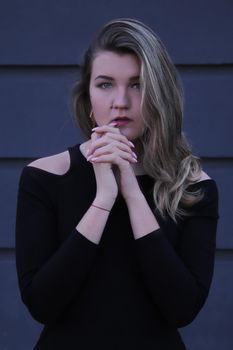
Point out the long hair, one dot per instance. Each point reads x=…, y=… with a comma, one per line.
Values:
x=167, y=156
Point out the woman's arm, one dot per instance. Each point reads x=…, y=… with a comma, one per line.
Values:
x=178, y=279
x=93, y=222
x=49, y=274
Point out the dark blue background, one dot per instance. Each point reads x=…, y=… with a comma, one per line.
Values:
x=41, y=45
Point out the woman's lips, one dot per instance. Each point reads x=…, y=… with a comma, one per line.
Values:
x=122, y=121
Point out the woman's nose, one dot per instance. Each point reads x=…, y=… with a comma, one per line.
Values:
x=121, y=99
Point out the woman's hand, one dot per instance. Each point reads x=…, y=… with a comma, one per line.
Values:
x=106, y=186
x=114, y=152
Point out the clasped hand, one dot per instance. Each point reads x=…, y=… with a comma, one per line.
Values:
x=112, y=156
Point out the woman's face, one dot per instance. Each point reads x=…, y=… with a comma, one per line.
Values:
x=115, y=92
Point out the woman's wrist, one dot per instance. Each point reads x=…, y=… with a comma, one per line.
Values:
x=134, y=197
x=104, y=201
x=143, y=220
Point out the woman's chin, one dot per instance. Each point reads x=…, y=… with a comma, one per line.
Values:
x=131, y=136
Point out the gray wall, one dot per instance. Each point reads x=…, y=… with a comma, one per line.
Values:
x=41, y=43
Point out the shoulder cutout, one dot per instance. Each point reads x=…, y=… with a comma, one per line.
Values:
x=57, y=164
x=203, y=177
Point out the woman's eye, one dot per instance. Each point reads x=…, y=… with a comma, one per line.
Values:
x=104, y=85
x=135, y=85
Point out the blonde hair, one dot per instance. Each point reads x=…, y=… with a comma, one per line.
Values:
x=168, y=158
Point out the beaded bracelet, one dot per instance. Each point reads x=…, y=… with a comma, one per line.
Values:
x=96, y=206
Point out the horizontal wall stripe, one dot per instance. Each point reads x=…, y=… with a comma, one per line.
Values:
x=224, y=255
x=31, y=66
x=7, y=255
x=58, y=32
x=38, y=121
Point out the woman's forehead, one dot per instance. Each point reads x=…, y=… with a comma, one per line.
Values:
x=111, y=63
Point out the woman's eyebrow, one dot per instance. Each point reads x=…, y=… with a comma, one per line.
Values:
x=137, y=77
x=106, y=77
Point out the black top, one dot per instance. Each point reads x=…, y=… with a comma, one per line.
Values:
x=122, y=293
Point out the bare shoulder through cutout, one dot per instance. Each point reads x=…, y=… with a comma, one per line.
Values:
x=57, y=164
x=204, y=176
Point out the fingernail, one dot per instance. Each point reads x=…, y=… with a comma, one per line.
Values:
x=113, y=124
x=89, y=158
x=134, y=155
x=94, y=128
x=131, y=144
x=135, y=160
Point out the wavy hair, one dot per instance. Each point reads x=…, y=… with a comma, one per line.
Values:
x=168, y=158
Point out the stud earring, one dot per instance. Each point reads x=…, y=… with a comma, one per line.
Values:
x=91, y=116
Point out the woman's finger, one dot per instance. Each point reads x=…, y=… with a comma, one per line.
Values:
x=106, y=128
x=113, y=148
x=109, y=128
x=113, y=158
x=111, y=143
x=107, y=138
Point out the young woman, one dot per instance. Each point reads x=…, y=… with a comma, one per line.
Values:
x=115, y=238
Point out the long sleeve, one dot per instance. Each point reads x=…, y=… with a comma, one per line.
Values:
x=50, y=274
x=178, y=278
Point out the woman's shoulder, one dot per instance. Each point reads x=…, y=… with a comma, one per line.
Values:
x=61, y=163
x=204, y=176
x=204, y=183
x=43, y=176
x=57, y=164
x=40, y=176
x=207, y=188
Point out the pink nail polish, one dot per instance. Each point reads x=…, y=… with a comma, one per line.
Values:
x=131, y=144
